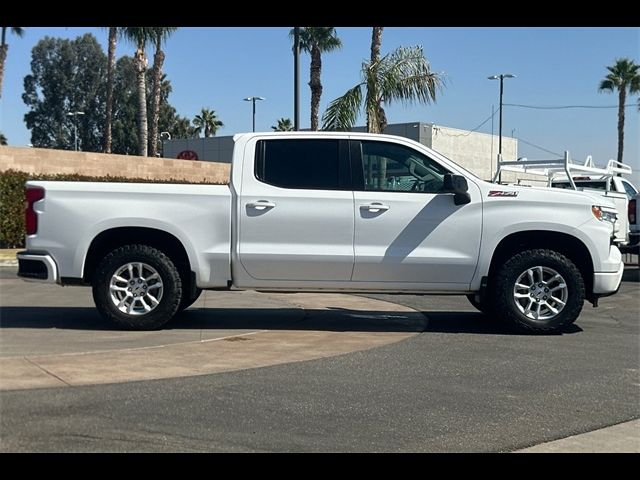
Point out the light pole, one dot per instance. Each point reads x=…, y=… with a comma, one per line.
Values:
x=253, y=99
x=164, y=136
x=75, y=127
x=501, y=77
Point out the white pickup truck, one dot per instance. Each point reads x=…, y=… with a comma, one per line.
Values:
x=326, y=212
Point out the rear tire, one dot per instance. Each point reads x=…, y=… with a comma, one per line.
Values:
x=137, y=287
x=539, y=291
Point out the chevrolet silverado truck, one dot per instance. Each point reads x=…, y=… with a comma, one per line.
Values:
x=326, y=212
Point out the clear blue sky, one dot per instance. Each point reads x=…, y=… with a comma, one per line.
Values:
x=218, y=67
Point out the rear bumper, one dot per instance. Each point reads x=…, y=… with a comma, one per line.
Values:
x=37, y=267
x=608, y=282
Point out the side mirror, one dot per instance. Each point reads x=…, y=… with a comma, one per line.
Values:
x=457, y=184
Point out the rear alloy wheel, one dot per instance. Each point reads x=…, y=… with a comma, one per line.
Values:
x=138, y=287
x=539, y=291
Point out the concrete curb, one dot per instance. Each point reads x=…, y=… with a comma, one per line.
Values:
x=324, y=326
x=621, y=438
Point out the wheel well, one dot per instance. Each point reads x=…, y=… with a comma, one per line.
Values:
x=567, y=245
x=111, y=239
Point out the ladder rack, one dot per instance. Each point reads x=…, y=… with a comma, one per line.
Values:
x=562, y=169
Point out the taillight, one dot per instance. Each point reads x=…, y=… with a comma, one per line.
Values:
x=32, y=195
x=632, y=211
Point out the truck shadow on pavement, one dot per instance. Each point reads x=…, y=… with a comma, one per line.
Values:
x=333, y=319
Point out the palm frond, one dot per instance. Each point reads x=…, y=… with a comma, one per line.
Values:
x=162, y=33
x=405, y=75
x=342, y=113
x=325, y=38
x=139, y=35
x=606, y=85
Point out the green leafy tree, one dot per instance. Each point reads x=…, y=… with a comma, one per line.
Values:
x=158, y=36
x=111, y=68
x=66, y=76
x=284, y=125
x=140, y=36
x=208, y=122
x=403, y=75
x=4, y=49
x=3, y=139
x=315, y=41
x=624, y=77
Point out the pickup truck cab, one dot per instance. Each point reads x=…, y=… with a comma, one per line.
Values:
x=326, y=212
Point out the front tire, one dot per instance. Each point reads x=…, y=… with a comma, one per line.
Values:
x=539, y=291
x=189, y=299
x=137, y=287
x=485, y=306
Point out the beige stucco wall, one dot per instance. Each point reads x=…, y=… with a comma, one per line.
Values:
x=473, y=150
x=42, y=160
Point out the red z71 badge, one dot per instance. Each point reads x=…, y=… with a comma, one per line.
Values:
x=502, y=193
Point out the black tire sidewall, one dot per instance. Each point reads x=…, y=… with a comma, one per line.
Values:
x=188, y=299
x=518, y=264
x=172, y=287
x=485, y=307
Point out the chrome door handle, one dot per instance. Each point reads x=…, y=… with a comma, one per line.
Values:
x=375, y=207
x=261, y=204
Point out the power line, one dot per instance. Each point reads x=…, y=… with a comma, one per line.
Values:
x=490, y=117
x=539, y=147
x=561, y=107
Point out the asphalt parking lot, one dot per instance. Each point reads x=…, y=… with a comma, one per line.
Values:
x=430, y=375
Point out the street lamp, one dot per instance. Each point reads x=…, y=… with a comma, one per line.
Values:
x=501, y=77
x=75, y=127
x=253, y=99
x=164, y=136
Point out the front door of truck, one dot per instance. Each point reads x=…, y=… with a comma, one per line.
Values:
x=406, y=229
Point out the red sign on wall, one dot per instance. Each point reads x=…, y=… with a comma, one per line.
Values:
x=187, y=155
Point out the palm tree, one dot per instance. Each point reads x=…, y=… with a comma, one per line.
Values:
x=623, y=76
x=207, y=121
x=160, y=34
x=315, y=40
x=284, y=125
x=111, y=68
x=3, y=139
x=378, y=111
x=140, y=36
x=403, y=75
x=4, y=49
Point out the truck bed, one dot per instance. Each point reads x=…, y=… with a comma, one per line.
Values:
x=197, y=215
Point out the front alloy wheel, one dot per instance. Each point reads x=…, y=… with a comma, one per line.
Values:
x=540, y=293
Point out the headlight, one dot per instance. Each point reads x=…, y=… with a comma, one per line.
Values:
x=604, y=214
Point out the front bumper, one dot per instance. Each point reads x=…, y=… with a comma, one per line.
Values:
x=605, y=283
x=37, y=267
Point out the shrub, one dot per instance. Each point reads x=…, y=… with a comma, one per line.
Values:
x=12, y=182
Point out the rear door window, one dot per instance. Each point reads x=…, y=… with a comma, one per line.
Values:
x=317, y=164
